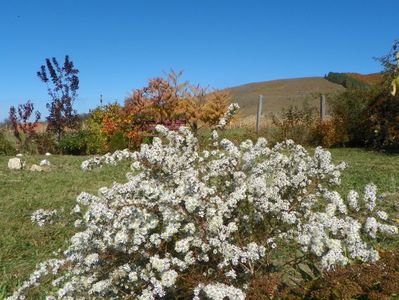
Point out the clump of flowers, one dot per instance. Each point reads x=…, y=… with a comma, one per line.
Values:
x=225, y=119
x=41, y=216
x=107, y=159
x=198, y=224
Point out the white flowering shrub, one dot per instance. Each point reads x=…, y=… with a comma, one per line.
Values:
x=227, y=116
x=201, y=224
x=108, y=159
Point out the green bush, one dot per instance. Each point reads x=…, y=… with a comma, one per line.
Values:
x=366, y=118
x=117, y=142
x=102, y=123
x=348, y=112
x=45, y=142
x=6, y=148
x=95, y=143
x=381, y=123
x=75, y=143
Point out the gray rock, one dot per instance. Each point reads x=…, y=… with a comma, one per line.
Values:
x=36, y=168
x=45, y=162
x=15, y=163
x=19, y=155
x=48, y=154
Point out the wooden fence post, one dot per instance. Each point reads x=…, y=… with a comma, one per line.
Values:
x=259, y=113
x=322, y=107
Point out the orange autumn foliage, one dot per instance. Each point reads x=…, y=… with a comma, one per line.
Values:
x=164, y=101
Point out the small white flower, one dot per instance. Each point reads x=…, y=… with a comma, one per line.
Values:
x=41, y=216
x=382, y=215
x=169, y=278
x=91, y=259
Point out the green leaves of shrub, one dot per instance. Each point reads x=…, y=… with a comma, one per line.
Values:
x=74, y=143
x=6, y=147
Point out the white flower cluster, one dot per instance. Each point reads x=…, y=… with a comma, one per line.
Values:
x=231, y=110
x=41, y=216
x=219, y=291
x=216, y=216
x=108, y=159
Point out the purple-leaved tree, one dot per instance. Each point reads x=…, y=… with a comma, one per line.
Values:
x=62, y=84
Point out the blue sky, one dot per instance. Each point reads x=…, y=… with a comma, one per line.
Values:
x=117, y=45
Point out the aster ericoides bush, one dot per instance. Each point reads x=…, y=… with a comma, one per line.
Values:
x=199, y=224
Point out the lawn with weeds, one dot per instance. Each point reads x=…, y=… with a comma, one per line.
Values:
x=23, y=245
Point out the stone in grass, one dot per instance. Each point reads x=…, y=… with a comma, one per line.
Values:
x=48, y=154
x=19, y=155
x=45, y=163
x=15, y=163
x=36, y=168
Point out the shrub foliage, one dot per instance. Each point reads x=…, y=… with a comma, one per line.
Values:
x=23, y=127
x=378, y=280
x=6, y=148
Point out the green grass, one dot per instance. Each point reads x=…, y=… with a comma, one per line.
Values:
x=372, y=167
x=22, y=244
x=368, y=166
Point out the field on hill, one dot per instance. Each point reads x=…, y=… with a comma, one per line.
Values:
x=23, y=245
x=281, y=93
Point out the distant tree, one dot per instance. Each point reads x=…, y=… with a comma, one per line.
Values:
x=159, y=99
x=390, y=63
x=62, y=85
x=346, y=80
x=24, y=129
x=172, y=101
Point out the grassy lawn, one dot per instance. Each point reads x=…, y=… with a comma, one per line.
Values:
x=22, y=244
x=367, y=166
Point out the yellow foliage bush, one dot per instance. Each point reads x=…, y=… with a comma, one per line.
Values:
x=201, y=109
x=323, y=133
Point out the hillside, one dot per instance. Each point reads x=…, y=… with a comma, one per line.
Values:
x=281, y=93
x=373, y=78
